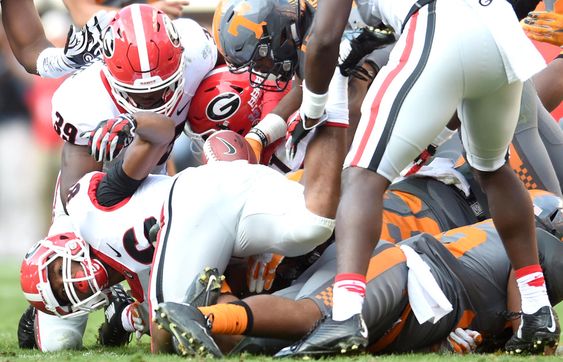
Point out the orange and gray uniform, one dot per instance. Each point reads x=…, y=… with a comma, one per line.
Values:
x=471, y=268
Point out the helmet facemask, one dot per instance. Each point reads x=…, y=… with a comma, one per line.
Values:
x=91, y=278
x=171, y=89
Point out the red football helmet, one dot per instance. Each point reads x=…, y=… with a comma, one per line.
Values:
x=91, y=277
x=223, y=100
x=144, y=59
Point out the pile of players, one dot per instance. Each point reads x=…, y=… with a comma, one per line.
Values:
x=370, y=247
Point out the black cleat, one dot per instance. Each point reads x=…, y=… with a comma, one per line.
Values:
x=536, y=331
x=331, y=338
x=363, y=42
x=190, y=328
x=206, y=289
x=26, y=329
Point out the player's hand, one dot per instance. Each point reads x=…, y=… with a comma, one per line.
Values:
x=464, y=341
x=262, y=271
x=297, y=137
x=112, y=332
x=83, y=45
x=110, y=137
x=136, y=316
x=171, y=8
x=544, y=26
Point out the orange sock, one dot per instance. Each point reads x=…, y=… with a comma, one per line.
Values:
x=228, y=318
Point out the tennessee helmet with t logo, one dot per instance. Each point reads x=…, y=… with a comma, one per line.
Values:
x=144, y=60
x=261, y=36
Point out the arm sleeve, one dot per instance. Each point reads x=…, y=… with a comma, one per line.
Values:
x=116, y=186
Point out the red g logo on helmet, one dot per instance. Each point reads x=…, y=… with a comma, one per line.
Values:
x=223, y=106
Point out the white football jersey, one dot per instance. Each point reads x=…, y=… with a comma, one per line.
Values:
x=85, y=99
x=118, y=235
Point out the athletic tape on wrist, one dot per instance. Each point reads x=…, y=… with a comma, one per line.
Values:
x=313, y=104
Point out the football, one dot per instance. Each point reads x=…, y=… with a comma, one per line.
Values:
x=227, y=145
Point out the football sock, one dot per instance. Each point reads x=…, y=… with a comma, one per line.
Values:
x=232, y=318
x=531, y=284
x=348, y=295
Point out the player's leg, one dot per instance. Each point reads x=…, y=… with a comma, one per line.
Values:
x=275, y=219
x=191, y=238
x=552, y=136
x=509, y=204
x=530, y=159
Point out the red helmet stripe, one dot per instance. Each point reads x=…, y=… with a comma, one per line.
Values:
x=141, y=40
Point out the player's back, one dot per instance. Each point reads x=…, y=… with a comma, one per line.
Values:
x=121, y=231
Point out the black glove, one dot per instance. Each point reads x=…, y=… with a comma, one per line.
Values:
x=111, y=332
x=83, y=45
x=110, y=137
x=362, y=42
x=26, y=329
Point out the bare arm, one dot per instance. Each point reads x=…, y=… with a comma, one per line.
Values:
x=290, y=103
x=24, y=32
x=75, y=163
x=82, y=10
x=153, y=135
x=322, y=50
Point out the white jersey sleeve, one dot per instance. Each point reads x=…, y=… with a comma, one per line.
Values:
x=200, y=53
x=80, y=103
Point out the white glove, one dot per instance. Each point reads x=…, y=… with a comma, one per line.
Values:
x=135, y=319
x=262, y=271
x=464, y=341
x=83, y=45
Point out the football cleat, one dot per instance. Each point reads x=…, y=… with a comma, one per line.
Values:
x=26, y=329
x=205, y=289
x=363, y=42
x=190, y=328
x=329, y=338
x=536, y=331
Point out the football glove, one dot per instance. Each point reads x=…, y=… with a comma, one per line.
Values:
x=135, y=319
x=26, y=329
x=544, y=26
x=463, y=341
x=112, y=332
x=297, y=138
x=262, y=271
x=110, y=137
x=83, y=45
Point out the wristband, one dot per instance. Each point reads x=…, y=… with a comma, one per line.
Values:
x=271, y=128
x=52, y=63
x=313, y=105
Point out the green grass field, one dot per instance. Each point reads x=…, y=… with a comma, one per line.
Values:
x=12, y=305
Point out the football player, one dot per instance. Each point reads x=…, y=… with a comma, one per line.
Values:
x=468, y=265
x=272, y=54
x=161, y=74
x=291, y=221
x=429, y=76
x=36, y=54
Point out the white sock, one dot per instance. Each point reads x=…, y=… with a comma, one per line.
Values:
x=532, y=288
x=348, y=296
